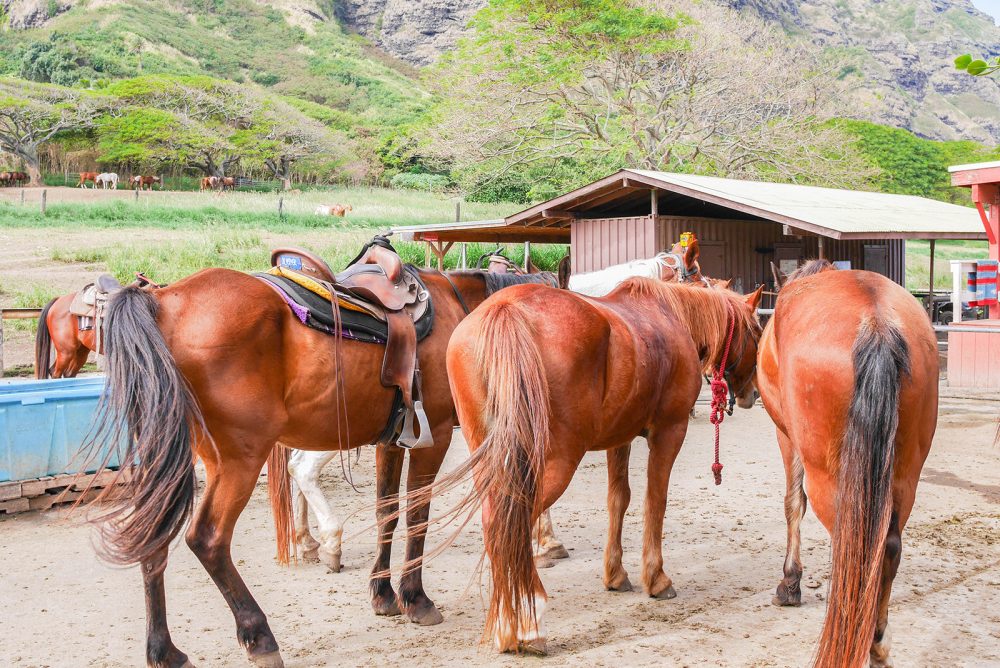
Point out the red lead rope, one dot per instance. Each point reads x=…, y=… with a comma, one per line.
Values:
x=720, y=395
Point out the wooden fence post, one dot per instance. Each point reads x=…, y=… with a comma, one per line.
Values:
x=44, y=192
x=22, y=196
x=281, y=208
x=136, y=195
x=458, y=212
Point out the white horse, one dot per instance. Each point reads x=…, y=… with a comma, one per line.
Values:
x=681, y=264
x=106, y=180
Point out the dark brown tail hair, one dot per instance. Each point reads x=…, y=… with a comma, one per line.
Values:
x=279, y=490
x=147, y=406
x=864, y=496
x=43, y=344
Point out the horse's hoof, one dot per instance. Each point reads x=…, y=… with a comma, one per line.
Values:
x=331, y=560
x=666, y=594
x=386, y=607
x=555, y=552
x=426, y=615
x=623, y=586
x=785, y=598
x=542, y=561
x=268, y=660
x=534, y=647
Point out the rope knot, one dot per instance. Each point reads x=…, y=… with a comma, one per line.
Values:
x=720, y=394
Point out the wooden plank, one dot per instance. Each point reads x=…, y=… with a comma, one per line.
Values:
x=10, y=490
x=20, y=313
x=14, y=506
x=968, y=177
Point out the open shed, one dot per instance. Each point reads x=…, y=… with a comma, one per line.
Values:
x=742, y=226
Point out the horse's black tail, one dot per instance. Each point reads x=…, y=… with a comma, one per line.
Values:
x=43, y=344
x=148, y=405
x=864, y=495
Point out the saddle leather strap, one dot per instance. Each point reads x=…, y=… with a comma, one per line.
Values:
x=378, y=240
x=458, y=295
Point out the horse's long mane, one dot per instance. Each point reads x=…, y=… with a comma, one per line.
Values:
x=810, y=268
x=705, y=313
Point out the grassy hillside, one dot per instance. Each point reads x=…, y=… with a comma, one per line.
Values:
x=329, y=73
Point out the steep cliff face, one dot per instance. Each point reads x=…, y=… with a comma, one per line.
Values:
x=417, y=31
x=900, y=53
x=897, y=53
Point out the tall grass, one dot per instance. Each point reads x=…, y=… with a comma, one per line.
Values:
x=373, y=208
x=918, y=261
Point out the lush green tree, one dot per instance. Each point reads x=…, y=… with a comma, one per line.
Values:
x=577, y=88
x=32, y=114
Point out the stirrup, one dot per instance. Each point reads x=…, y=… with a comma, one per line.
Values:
x=409, y=440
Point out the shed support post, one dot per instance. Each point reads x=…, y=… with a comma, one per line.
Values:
x=440, y=250
x=427, y=255
x=465, y=257
x=822, y=253
x=654, y=205
x=930, y=289
x=527, y=257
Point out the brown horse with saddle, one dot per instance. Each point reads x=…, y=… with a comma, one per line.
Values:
x=223, y=365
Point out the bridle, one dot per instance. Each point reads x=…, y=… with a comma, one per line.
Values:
x=675, y=262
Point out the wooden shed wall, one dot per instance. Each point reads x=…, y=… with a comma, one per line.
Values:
x=601, y=242
x=741, y=240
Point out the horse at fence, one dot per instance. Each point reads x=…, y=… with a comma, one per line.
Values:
x=852, y=387
x=139, y=182
x=71, y=326
x=634, y=361
x=229, y=183
x=87, y=176
x=178, y=380
x=107, y=180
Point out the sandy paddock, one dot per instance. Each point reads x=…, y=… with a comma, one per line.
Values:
x=60, y=606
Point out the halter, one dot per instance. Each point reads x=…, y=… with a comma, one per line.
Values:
x=675, y=261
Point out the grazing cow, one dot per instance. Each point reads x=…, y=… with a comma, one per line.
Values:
x=144, y=182
x=87, y=176
x=334, y=210
x=107, y=180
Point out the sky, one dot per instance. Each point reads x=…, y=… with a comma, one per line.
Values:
x=991, y=7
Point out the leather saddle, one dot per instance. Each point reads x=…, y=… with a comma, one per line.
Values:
x=376, y=282
x=90, y=303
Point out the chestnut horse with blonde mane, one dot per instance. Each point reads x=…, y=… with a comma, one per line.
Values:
x=610, y=369
x=852, y=387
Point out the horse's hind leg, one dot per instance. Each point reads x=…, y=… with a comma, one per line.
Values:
x=388, y=470
x=879, y=654
x=424, y=466
x=305, y=468
x=619, y=495
x=789, y=591
x=549, y=547
x=306, y=545
x=664, y=444
x=228, y=488
x=160, y=649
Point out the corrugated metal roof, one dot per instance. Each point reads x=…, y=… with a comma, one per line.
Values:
x=846, y=213
x=839, y=214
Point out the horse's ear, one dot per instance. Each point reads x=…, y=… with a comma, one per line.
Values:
x=753, y=299
x=691, y=254
x=726, y=284
x=779, y=277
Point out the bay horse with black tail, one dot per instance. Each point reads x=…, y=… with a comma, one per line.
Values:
x=218, y=366
x=634, y=361
x=852, y=387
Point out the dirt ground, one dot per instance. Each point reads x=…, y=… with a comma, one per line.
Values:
x=724, y=546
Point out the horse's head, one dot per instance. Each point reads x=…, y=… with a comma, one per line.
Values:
x=681, y=263
x=741, y=366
